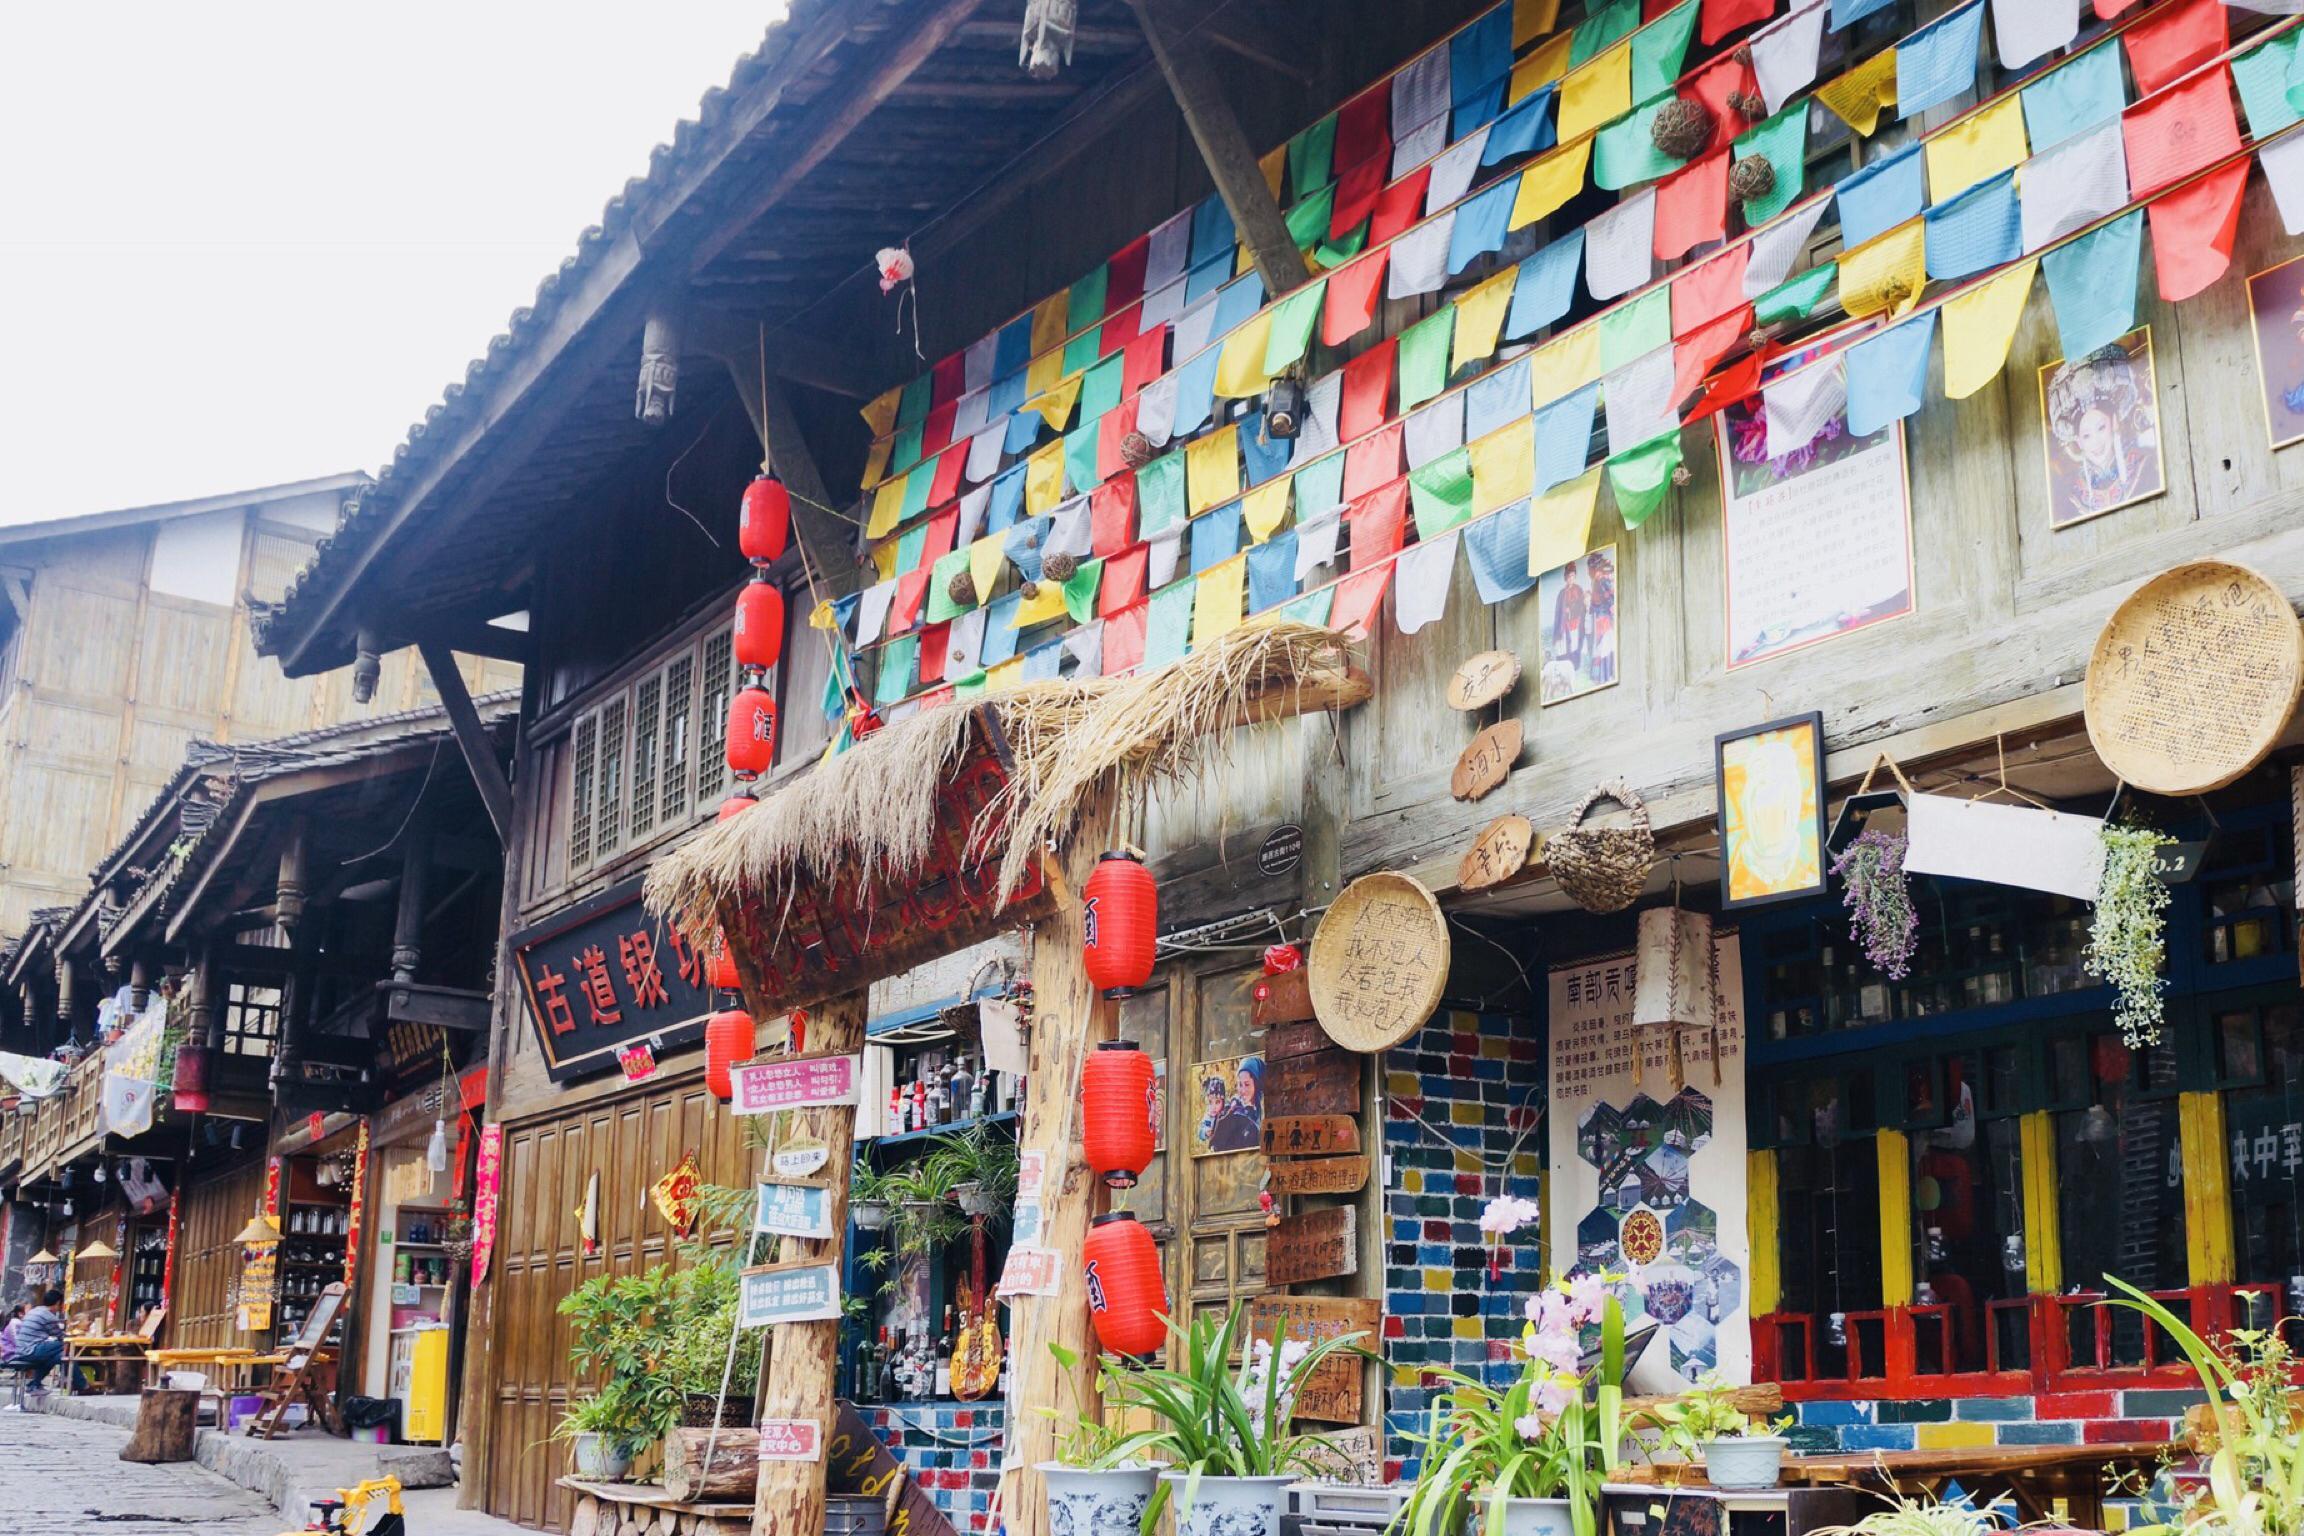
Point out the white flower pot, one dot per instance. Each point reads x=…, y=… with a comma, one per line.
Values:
x=870, y=1215
x=1744, y=1461
x=1107, y=1503
x=1526, y=1517
x=1229, y=1506
x=598, y=1458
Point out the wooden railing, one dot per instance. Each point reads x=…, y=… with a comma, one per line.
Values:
x=68, y=1125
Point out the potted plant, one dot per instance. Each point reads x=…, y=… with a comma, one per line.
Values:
x=870, y=1201
x=1529, y=1458
x=1092, y=1487
x=603, y=1431
x=979, y=1167
x=1705, y=1425
x=700, y=1322
x=1906, y=1516
x=1222, y=1428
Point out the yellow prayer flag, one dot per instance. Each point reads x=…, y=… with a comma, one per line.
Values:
x=1240, y=366
x=1563, y=365
x=884, y=559
x=887, y=507
x=1480, y=318
x=985, y=557
x=1539, y=69
x=1044, y=372
x=1977, y=148
x=1978, y=325
x=1216, y=600
x=1003, y=675
x=1597, y=91
x=1265, y=507
x=1212, y=469
x=1275, y=169
x=1531, y=19
x=1048, y=317
x=880, y=415
x=1560, y=522
x=1055, y=406
x=1243, y=260
x=876, y=462
x=1549, y=182
x=1044, y=479
x=821, y=616
x=1857, y=96
x=1886, y=272
x=1045, y=603
x=1503, y=465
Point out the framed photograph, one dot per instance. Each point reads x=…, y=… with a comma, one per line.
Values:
x=1577, y=604
x=2276, y=315
x=1225, y=1103
x=1771, y=780
x=2100, y=431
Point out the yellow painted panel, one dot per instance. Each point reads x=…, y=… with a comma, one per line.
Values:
x=1961, y=1434
x=2207, y=1189
x=2043, y=1218
x=1894, y=1149
x=1762, y=1197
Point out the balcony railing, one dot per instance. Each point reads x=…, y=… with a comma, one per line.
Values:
x=61, y=1128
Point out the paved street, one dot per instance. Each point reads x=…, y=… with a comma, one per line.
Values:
x=64, y=1477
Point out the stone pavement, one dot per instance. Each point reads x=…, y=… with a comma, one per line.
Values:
x=290, y=1472
x=61, y=1477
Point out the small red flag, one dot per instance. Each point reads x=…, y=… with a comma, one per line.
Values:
x=2107, y=9
x=1699, y=352
x=2162, y=48
x=1710, y=288
x=945, y=484
x=904, y=607
x=1378, y=524
x=1358, y=597
x=1356, y=193
x=1112, y=517
x=1147, y=359
x=1692, y=206
x=949, y=379
x=2178, y=132
x=935, y=649
x=941, y=529
x=1724, y=77
x=1123, y=636
x=1112, y=429
x=1367, y=384
x=1401, y=205
x=1722, y=17
x=1351, y=301
x=2192, y=231
x=936, y=428
x=1123, y=585
x=1373, y=461
x=1124, y=282
x=1364, y=126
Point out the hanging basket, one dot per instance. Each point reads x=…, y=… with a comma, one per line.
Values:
x=1603, y=869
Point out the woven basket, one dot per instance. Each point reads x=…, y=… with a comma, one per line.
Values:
x=1603, y=869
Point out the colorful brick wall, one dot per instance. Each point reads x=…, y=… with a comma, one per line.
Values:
x=952, y=1450
x=2069, y=1418
x=1462, y=1124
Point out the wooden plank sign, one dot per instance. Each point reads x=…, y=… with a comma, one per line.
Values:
x=1483, y=679
x=1353, y=1457
x=1317, y=1245
x=793, y=1210
x=1497, y=854
x=1285, y=998
x=794, y=1082
x=1295, y=1037
x=1488, y=761
x=1310, y=1135
x=1323, y=1083
x=798, y=1293
x=1331, y=1393
x=1318, y=1176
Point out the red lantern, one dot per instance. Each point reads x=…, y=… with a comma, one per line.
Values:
x=751, y=732
x=1122, y=910
x=759, y=634
x=1126, y=1296
x=191, y=1088
x=1281, y=958
x=720, y=968
x=727, y=1041
x=765, y=520
x=1119, y=1094
x=737, y=804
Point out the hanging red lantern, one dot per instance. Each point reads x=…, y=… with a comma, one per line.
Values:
x=1118, y=1094
x=720, y=968
x=1282, y=958
x=751, y=731
x=191, y=1088
x=1121, y=912
x=1126, y=1295
x=727, y=1041
x=737, y=804
x=759, y=633
x=765, y=521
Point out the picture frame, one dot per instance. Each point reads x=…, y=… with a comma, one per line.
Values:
x=2100, y=448
x=1769, y=783
x=2275, y=296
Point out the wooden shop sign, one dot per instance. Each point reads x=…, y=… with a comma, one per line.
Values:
x=794, y=1082
x=859, y=1463
x=1295, y=1037
x=602, y=977
x=1318, y=1176
x=1331, y=1393
x=788, y=1293
x=1323, y=1083
x=1483, y=679
x=1488, y=761
x=1379, y=962
x=1310, y=1135
x=1317, y=1245
x=1353, y=1457
x=1284, y=999
x=1497, y=854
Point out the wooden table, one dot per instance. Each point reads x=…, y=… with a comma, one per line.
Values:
x=229, y=1371
x=2035, y=1476
x=112, y=1351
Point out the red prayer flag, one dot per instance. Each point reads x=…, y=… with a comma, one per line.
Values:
x=935, y=651
x=1722, y=17
x=1378, y=524
x=2162, y=48
x=937, y=698
x=945, y=483
x=1367, y=385
x=1112, y=517
x=1124, y=274
x=1112, y=429
x=1700, y=351
x=1351, y=302
x=941, y=529
x=1358, y=597
x=2192, y=231
x=904, y=607
x=1123, y=585
x=1723, y=77
x=1400, y=205
x=1147, y=359
x=1356, y=193
x=936, y=429
x=1123, y=636
x=1364, y=125
x=1119, y=329
x=1692, y=206
x=1372, y=461
x=949, y=379
x=2186, y=127
x=1738, y=382
x=2107, y=9
x=1709, y=289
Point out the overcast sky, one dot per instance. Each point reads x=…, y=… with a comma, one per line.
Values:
x=248, y=241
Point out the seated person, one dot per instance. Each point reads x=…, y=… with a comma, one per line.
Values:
x=39, y=1340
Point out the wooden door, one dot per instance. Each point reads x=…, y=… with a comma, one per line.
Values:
x=216, y=1207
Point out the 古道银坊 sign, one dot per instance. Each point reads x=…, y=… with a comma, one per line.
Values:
x=603, y=978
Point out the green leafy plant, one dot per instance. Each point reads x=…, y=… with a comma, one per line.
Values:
x=619, y=1412
x=1082, y=1440
x=1906, y=1516
x=979, y=1158
x=2128, y=942
x=1217, y=1418
x=1704, y=1413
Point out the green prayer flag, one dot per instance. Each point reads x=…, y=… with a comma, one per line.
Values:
x=2262, y=75
x=1640, y=476
x=1601, y=30
x=912, y=405
x=1795, y=299
x=1319, y=487
x=1635, y=329
x=1424, y=357
x=969, y=687
x=916, y=487
x=1783, y=142
x=1659, y=49
x=1292, y=321
x=1625, y=151
x=1083, y=350
x=1080, y=456
x=911, y=544
x=1159, y=495
x=1312, y=607
x=1168, y=623
x=906, y=451
x=1334, y=253
x=1310, y=157
x=896, y=658
x=1084, y=304
x=1441, y=492
x=940, y=604
x=1100, y=387
x=1308, y=220
x=1080, y=590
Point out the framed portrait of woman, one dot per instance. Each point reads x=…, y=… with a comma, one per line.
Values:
x=2100, y=428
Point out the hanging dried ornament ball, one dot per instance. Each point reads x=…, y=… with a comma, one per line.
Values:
x=1135, y=450
x=1681, y=475
x=1742, y=54
x=1751, y=178
x=1029, y=590
x=1681, y=128
x=895, y=264
x=1748, y=104
x=1059, y=568
x=962, y=588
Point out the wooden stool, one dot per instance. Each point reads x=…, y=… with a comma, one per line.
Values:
x=167, y=1422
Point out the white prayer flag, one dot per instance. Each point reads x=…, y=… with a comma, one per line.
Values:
x=972, y=507
x=872, y=610
x=1316, y=543
x=1317, y=434
x=1784, y=56
x=1156, y=410
x=976, y=364
x=1161, y=304
x=1800, y=403
x=964, y=643
x=1168, y=252
x=1777, y=249
x=1434, y=430
x=1619, y=248
x=1420, y=585
x=984, y=450
x=2081, y=180
x=1412, y=149
x=1452, y=173
x=2027, y=29
x=1420, y=258
x=1085, y=647
x=1420, y=92
x=1638, y=397
x=1160, y=558
x=1068, y=532
x=2283, y=162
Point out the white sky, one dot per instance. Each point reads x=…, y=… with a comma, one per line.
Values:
x=249, y=241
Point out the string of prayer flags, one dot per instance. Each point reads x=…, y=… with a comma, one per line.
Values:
x=1775, y=249
x=2070, y=187
x=2187, y=127
x=1424, y=357
x=1640, y=478
x=1722, y=17
x=1978, y=325
x=1564, y=436
x=1978, y=147
x=2192, y=231
x=1441, y=493
x=1858, y=97
x=1660, y=48
x=1880, y=196
x=1886, y=273
x=1692, y=207
x=1560, y=521
x=1978, y=229
x=1619, y=247
x=2263, y=75
x=2076, y=95
x=1887, y=376
x=1798, y=404
x=1480, y=318
x=1938, y=62
x=1547, y=184
x=1425, y=575
x=1596, y=93
x=1781, y=140
x=2030, y=29
x=1624, y=153
x=2166, y=45
x=1784, y=56
x=2283, y=164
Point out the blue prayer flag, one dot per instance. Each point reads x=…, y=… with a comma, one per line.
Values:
x=1523, y=130
x=1006, y=393
x=1272, y=571
x=1044, y=662
x=1564, y=437
x=1495, y=399
x=1480, y=109
x=1007, y=497
x=1000, y=629
x=1497, y=547
x=1979, y=228
x=1546, y=285
x=2092, y=282
x=1196, y=390
x=1215, y=536
x=1207, y=276
x=1846, y=13
x=1023, y=431
x=1023, y=544
x=1938, y=62
x=1881, y=196
x=1238, y=303
x=1888, y=374
x=1262, y=457
x=1481, y=54
x=1212, y=231
x=2076, y=95
x=1480, y=224
x=1168, y=623
x=1013, y=349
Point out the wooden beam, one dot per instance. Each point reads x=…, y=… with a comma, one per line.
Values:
x=1261, y=36
x=829, y=537
x=490, y=640
x=1239, y=178
x=811, y=360
x=472, y=738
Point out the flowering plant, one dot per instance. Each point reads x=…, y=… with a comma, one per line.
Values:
x=1503, y=1216
x=1879, y=900
x=1543, y=1436
x=2128, y=941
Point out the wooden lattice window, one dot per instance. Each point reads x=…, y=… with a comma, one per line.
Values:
x=586, y=752
x=647, y=751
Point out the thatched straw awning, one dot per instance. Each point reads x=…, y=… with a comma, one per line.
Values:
x=928, y=835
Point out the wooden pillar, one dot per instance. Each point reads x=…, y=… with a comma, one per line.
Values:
x=2043, y=1215
x=1894, y=1150
x=2207, y=1188
x=291, y=887
x=789, y=1500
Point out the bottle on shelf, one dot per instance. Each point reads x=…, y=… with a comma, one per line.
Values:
x=885, y=1390
x=944, y=1356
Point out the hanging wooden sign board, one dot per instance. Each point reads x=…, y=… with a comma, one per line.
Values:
x=1488, y=761
x=1310, y=1135
x=1483, y=679
x=1379, y=962
x=1317, y=1245
x=1296, y=1037
x=1285, y=998
x=1330, y=1393
x=1318, y=1176
x=1497, y=854
x=1323, y=1083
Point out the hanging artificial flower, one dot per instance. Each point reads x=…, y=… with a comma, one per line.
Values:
x=895, y=264
x=1503, y=1216
x=2128, y=941
x=1879, y=900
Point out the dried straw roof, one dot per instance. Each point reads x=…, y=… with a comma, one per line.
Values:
x=1070, y=743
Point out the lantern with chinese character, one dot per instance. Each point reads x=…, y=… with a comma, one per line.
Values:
x=1122, y=909
x=720, y=968
x=759, y=633
x=1126, y=1296
x=1118, y=1093
x=765, y=520
x=727, y=1041
x=751, y=732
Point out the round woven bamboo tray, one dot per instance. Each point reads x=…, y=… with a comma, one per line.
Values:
x=1379, y=962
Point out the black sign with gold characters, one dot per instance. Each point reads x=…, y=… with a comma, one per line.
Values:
x=604, y=975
